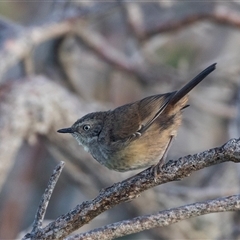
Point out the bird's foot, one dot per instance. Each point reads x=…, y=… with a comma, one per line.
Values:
x=157, y=170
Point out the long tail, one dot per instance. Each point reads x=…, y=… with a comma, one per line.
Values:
x=173, y=99
x=190, y=85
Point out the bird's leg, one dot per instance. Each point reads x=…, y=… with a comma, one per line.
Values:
x=157, y=169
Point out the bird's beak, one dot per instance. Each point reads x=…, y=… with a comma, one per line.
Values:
x=66, y=130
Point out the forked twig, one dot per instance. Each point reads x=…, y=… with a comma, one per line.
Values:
x=42, y=208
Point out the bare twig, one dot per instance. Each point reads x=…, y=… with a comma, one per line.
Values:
x=139, y=67
x=217, y=13
x=42, y=208
x=19, y=44
x=160, y=219
x=37, y=224
x=131, y=188
x=217, y=108
x=18, y=48
x=100, y=46
x=198, y=193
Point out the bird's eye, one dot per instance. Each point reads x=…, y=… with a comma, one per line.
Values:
x=86, y=127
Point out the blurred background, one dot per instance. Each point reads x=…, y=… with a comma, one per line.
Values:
x=63, y=59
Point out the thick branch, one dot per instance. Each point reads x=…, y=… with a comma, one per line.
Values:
x=160, y=219
x=131, y=188
x=41, y=112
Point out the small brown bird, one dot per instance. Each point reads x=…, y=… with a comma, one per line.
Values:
x=135, y=135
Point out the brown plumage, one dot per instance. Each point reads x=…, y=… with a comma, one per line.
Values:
x=135, y=135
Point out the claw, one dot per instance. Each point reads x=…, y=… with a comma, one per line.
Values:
x=157, y=169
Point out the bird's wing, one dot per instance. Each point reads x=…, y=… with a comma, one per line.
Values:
x=152, y=107
x=130, y=121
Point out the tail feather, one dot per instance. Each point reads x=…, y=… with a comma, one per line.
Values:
x=174, y=97
x=190, y=85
